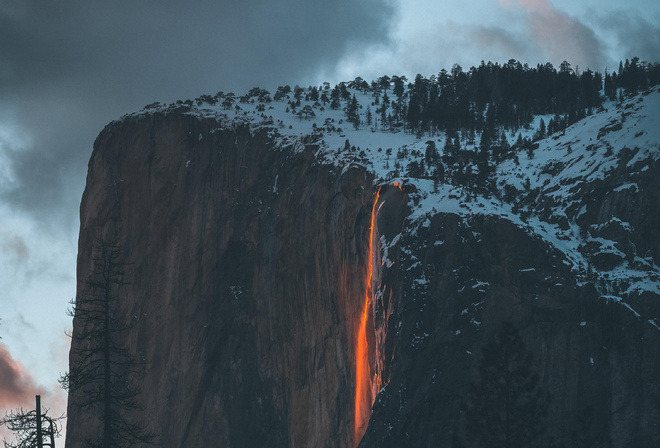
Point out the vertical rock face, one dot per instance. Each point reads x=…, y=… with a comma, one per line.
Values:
x=247, y=263
x=597, y=361
x=245, y=271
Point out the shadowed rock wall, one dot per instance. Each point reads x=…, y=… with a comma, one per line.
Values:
x=463, y=277
x=246, y=267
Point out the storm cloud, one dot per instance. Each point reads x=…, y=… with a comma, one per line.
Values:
x=634, y=34
x=69, y=67
x=432, y=35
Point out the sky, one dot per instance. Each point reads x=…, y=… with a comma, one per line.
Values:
x=68, y=67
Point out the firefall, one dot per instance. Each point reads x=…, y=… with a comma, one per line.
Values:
x=363, y=381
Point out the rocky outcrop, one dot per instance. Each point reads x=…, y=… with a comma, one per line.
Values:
x=246, y=267
x=247, y=261
x=597, y=361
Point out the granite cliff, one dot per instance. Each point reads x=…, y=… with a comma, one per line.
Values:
x=247, y=236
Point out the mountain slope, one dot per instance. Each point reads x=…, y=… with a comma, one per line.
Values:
x=551, y=190
x=246, y=220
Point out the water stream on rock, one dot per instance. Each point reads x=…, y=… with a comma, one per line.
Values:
x=363, y=379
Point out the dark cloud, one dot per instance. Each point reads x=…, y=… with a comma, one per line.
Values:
x=498, y=41
x=635, y=35
x=70, y=66
x=15, y=246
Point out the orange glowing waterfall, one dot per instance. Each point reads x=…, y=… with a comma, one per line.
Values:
x=363, y=386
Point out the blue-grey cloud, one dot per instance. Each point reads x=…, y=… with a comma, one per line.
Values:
x=559, y=36
x=498, y=41
x=634, y=34
x=68, y=67
x=14, y=246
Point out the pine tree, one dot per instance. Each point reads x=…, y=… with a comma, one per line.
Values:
x=399, y=82
x=506, y=406
x=541, y=133
x=431, y=156
x=353, y=113
x=448, y=149
x=416, y=169
x=384, y=82
x=314, y=94
x=502, y=148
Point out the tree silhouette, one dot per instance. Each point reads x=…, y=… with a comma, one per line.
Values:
x=506, y=406
x=353, y=113
x=102, y=372
x=31, y=427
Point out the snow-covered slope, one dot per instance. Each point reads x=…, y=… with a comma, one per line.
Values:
x=596, y=159
x=548, y=191
x=557, y=236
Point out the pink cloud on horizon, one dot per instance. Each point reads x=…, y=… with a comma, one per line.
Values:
x=17, y=387
x=558, y=35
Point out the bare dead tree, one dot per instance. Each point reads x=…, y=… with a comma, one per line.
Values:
x=102, y=372
x=32, y=427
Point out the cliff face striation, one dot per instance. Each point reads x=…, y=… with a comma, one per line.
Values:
x=242, y=295
x=282, y=283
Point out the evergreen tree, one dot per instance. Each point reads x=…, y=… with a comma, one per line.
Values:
x=449, y=149
x=399, y=82
x=298, y=92
x=431, y=156
x=384, y=83
x=416, y=169
x=314, y=94
x=483, y=160
x=345, y=93
x=281, y=92
x=438, y=175
x=506, y=406
x=347, y=145
x=352, y=111
x=541, y=133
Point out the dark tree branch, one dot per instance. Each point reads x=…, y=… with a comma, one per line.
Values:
x=103, y=371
